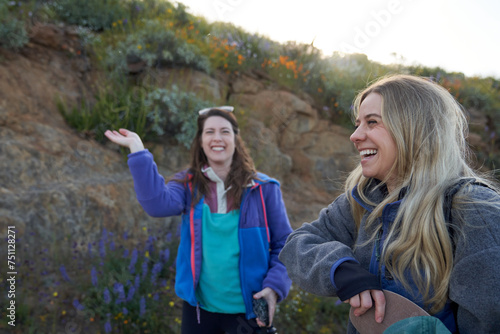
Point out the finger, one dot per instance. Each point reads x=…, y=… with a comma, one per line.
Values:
x=365, y=303
x=126, y=133
x=111, y=135
x=260, y=323
x=272, y=309
x=366, y=300
x=379, y=299
x=354, y=301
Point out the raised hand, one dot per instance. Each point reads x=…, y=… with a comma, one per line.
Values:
x=126, y=138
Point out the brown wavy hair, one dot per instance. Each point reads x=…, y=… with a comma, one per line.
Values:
x=242, y=170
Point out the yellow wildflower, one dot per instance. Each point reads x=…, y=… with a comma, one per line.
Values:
x=55, y=294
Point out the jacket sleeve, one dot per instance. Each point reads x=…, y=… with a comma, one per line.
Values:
x=156, y=198
x=313, y=251
x=279, y=229
x=475, y=278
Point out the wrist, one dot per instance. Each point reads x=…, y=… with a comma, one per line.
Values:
x=136, y=148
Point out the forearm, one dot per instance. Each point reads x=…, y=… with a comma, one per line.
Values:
x=156, y=198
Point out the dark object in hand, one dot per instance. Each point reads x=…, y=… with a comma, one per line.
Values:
x=261, y=310
x=267, y=330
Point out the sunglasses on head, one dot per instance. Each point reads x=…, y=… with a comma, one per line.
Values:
x=223, y=108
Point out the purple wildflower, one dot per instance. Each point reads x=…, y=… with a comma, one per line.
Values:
x=137, y=282
x=112, y=245
x=104, y=235
x=124, y=311
x=165, y=255
x=131, y=292
x=107, y=296
x=118, y=288
x=64, y=274
x=156, y=297
x=125, y=235
x=102, y=248
x=107, y=326
x=150, y=244
x=155, y=271
x=133, y=260
x=142, y=306
x=77, y=305
x=93, y=274
x=125, y=253
x=144, y=268
x=169, y=237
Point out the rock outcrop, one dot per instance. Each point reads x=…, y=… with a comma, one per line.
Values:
x=56, y=182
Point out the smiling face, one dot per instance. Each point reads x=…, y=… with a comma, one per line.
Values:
x=375, y=144
x=218, y=141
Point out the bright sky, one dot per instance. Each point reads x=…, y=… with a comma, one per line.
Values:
x=457, y=35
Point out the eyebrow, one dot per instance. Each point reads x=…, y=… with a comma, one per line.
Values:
x=223, y=128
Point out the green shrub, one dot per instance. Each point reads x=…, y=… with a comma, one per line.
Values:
x=13, y=33
x=94, y=14
x=302, y=313
x=175, y=112
x=233, y=49
x=115, y=106
x=150, y=113
x=157, y=45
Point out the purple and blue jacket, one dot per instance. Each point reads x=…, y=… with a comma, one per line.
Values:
x=263, y=229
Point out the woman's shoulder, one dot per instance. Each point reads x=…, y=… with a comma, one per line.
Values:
x=475, y=190
x=261, y=178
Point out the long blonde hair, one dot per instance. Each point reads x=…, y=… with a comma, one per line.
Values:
x=430, y=130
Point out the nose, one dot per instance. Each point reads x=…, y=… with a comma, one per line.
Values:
x=358, y=135
x=217, y=136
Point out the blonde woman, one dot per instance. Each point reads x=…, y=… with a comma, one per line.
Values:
x=415, y=219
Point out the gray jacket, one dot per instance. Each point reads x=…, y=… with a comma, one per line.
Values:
x=313, y=250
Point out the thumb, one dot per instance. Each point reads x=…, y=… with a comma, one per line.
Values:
x=124, y=132
x=258, y=295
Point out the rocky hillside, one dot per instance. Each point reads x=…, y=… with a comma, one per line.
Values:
x=55, y=182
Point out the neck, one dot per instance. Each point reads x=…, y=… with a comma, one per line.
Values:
x=221, y=171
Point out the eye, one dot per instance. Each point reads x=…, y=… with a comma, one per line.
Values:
x=372, y=121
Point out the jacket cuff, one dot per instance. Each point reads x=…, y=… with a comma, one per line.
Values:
x=352, y=279
x=336, y=265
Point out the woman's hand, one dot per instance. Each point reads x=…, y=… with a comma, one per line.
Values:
x=126, y=138
x=272, y=298
x=364, y=301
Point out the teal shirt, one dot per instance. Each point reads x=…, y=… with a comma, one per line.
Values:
x=219, y=288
